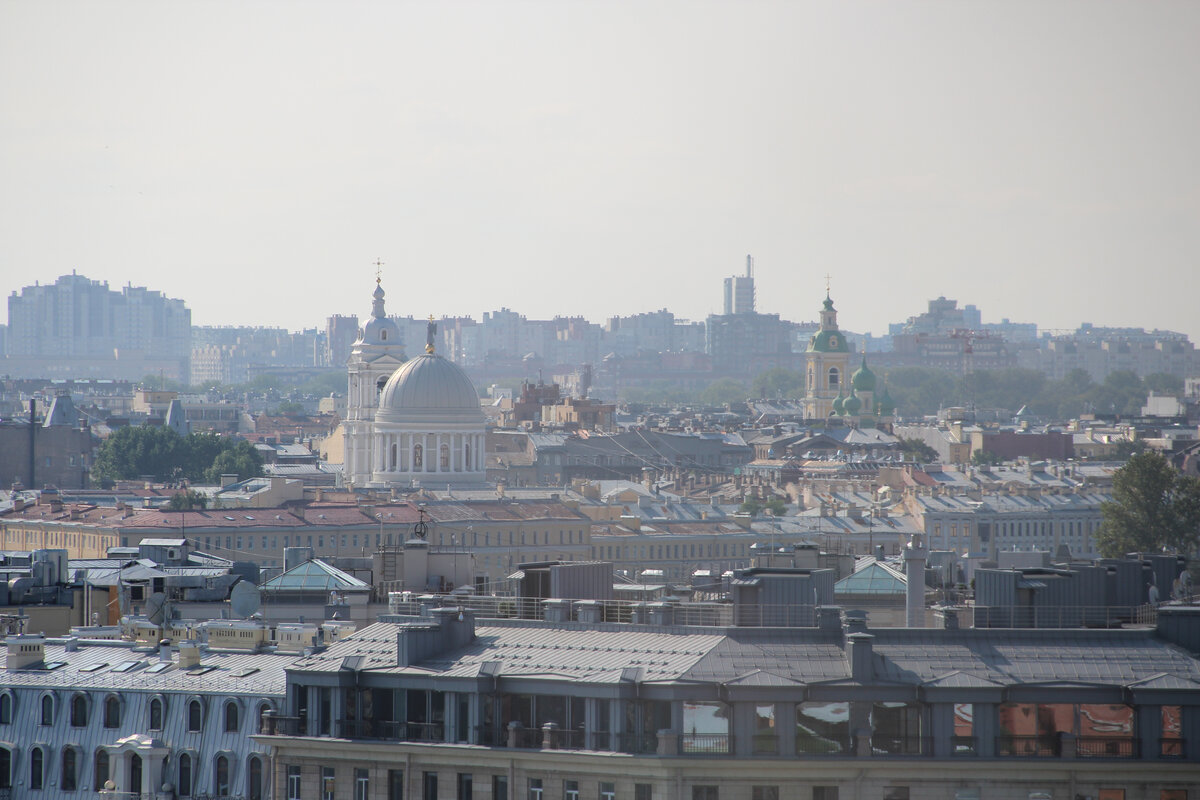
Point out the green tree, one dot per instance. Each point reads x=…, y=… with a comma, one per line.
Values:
x=240, y=459
x=137, y=451
x=1153, y=506
x=290, y=408
x=985, y=458
x=1164, y=383
x=726, y=391
x=921, y=390
x=752, y=505
x=202, y=449
x=777, y=383
x=187, y=500
x=918, y=450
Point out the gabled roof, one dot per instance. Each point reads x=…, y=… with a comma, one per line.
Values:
x=315, y=576
x=874, y=578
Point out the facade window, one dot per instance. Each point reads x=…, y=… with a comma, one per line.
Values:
x=418, y=457
x=185, y=775
x=500, y=787
x=535, y=789
x=570, y=790
x=100, y=770
x=704, y=792
x=362, y=784
x=156, y=714
x=642, y=791
x=36, y=767
x=47, y=717
x=825, y=793
x=895, y=793
x=445, y=457
x=834, y=377
x=69, y=769
x=328, y=783
x=395, y=784
x=5, y=768
x=231, y=717
x=293, y=782
x=78, y=711
x=466, y=786
x=429, y=787
x=256, y=779
x=764, y=793
x=112, y=713
x=608, y=791
x=195, y=717
x=221, y=776
x=6, y=705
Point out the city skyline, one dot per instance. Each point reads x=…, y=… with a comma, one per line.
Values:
x=608, y=159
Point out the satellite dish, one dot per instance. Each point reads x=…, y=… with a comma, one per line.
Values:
x=156, y=608
x=244, y=599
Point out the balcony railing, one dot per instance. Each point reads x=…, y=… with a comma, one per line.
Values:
x=1105, y=747
x=637, y=743
x=963, y=746
x=703, y=743
x=1034, y=746
x=898, y=745
x=765, y=744
x=1172, y=748
x=812, y=744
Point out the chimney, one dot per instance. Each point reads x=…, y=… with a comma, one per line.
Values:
x=829, y=619
x=915, y=555
x=189, y=655
x=587, y=611
x=556, y=610
x=858, y=653
x=164, y=650
x=25, y=650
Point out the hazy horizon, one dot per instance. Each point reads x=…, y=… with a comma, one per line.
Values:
x=1037, y=160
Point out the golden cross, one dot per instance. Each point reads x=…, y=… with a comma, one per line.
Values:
x=827, y=278
x=378, y=269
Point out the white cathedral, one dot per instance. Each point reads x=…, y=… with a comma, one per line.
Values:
x=409, y=422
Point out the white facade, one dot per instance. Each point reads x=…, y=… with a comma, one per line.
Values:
x=378, y=352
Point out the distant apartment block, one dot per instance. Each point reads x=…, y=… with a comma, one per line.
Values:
x=77, y=327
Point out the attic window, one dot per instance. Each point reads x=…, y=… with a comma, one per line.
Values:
x=126, y=666
x=249, y=517
x=94, y=667
x=49, y=665
x=231, y=519
x=161, y=666
x=244, y=673
x=203, y=670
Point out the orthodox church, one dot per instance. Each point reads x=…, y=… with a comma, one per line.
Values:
x=830, y=390
x=409, y=422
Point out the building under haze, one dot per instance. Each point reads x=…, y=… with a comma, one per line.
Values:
x=77, y=327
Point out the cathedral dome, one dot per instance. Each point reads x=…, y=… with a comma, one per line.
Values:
x=429, y=389
x=863, y=379
x=839, y=403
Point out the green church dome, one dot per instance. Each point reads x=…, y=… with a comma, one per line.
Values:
x=863, y=379
x=839, y=403
x=852, y=405
x=828, y=342
x=886, y=405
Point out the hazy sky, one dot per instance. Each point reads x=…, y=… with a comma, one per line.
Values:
x=1040, y=159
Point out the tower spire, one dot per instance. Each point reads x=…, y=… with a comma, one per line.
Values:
x=430, y=332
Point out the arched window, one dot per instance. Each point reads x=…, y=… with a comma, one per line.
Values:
x=6, y=703
x=70, y=780
x=834, y=377
x=195, y=716
x=156, y=714
x=185, y=775
x=256, y=781
x=47, y=710
x=379, y=384
x=100, y=770
x=445, y=457
x=221, y=776
x=231, y=717
x=383, y=336
x=418, y=458
x=112, y=712
x=36, y=767
x=5, y=769
x=78, y=711
x=262, y=710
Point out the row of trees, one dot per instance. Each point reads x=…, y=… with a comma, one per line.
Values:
x=162, y=454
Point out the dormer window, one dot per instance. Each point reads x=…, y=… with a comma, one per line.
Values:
x=383, y=336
